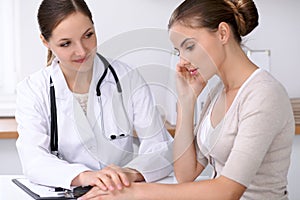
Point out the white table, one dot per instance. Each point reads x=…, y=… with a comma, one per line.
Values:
x=10, y=191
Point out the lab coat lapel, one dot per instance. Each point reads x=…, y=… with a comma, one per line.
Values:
x=84, y=129
x=93, y=107
x=108, y=151
x=70, y=107
x=62, y=90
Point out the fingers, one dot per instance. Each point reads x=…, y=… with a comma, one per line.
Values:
x=104, y=182
x=187, y=71
x=124, y=178
x=111, y=178
x=93, y=194
x=108, y=179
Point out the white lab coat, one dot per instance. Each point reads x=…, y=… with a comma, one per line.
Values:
x=81, y=140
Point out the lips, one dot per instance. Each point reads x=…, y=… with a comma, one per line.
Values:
x=193, y=71
x=80, y=60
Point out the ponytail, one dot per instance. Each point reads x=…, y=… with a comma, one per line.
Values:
x=50, y=57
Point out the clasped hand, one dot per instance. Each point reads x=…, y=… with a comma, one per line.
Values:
x=108, y=179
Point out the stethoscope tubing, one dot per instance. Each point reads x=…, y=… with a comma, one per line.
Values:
x=53, y=109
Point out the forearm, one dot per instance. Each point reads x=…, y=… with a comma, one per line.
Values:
x=185, y=162
x=203, y=190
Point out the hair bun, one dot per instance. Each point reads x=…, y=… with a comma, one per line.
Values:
x=246, y=15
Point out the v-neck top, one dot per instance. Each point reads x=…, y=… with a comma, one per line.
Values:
x=252, y=143
x=207, y=127
x=82, y=100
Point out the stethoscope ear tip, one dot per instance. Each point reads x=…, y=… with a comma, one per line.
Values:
x=113, y=136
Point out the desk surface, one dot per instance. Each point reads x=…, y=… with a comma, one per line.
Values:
x=8, y=128
x=9, y=190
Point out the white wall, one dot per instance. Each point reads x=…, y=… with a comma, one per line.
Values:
x=278, y=31
x=111, y=18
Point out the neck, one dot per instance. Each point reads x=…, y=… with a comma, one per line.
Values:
x=78, y=82
x=236, y=69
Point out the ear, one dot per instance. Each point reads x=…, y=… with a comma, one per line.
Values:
x=224, y=32
x=45, y=42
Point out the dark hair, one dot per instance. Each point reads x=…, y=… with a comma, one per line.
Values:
x=241, y=15
x=52, y=12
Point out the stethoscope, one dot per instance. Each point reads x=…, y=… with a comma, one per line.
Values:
x=122, y=114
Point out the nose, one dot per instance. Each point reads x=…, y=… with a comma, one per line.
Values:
x=183, y=61
x=80, y=50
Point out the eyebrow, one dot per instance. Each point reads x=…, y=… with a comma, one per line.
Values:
x=184, y=41
x=63, y=39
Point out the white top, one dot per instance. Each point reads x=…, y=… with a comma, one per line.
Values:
x=82, y=100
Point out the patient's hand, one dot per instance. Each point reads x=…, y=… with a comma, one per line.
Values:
x=97, y=194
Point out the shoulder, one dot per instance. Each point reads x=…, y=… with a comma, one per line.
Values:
x=32, y=94
x=36, y=81
x=265, y=94
x=126, y=73
x=121, y=68
x=264, y=86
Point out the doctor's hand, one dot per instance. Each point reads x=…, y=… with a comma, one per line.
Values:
x=110, y=178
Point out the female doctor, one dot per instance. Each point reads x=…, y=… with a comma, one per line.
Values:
x=93, y=122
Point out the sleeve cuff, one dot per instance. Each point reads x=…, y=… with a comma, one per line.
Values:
x=152, y=166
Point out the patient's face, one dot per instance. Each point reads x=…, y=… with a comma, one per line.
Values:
x=196, y=48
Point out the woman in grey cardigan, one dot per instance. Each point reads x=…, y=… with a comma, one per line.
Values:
x=246, y=128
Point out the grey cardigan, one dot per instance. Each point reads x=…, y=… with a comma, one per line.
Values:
x=252, y=144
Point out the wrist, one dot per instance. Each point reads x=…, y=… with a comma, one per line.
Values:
x=139, y=191
x=187, y=105
x=79, y=179
x=135, y=176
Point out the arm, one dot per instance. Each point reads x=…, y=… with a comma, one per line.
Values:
x=189, y=87
x=155, y=141
x=186, y=167
x=39, y=165
x=220, y=188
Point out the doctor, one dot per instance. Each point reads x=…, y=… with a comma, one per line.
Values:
x=89, y=121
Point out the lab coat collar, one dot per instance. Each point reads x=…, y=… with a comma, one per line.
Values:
x=62, y=90
x=61, y=87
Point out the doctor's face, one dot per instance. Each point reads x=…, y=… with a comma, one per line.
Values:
x=197, y=49
x=74, y=43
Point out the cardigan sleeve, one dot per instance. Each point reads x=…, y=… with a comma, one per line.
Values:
x=264, y=113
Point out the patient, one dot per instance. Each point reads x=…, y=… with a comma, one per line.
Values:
x=246, y=127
